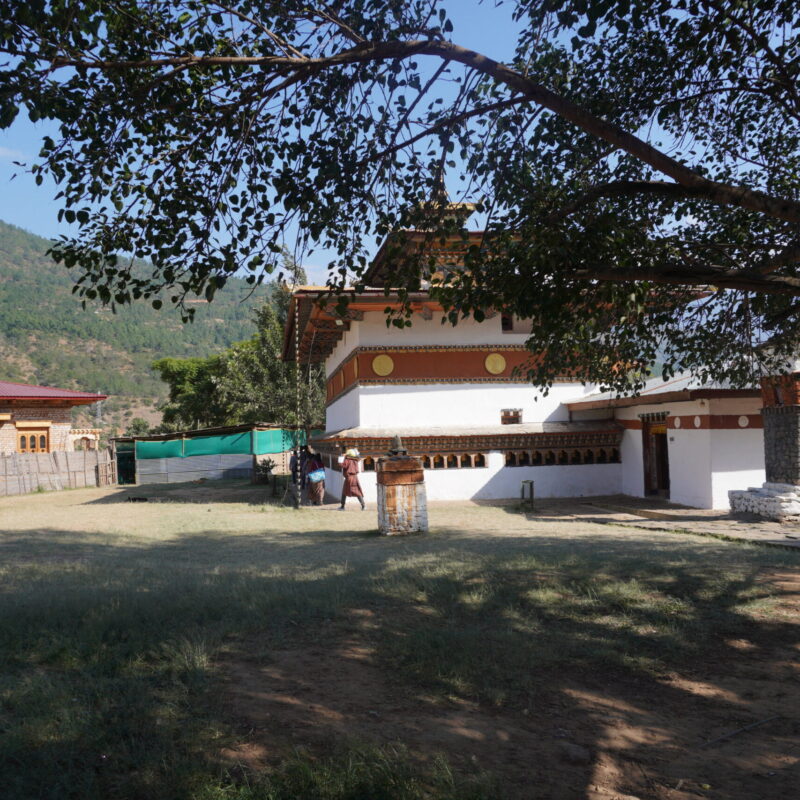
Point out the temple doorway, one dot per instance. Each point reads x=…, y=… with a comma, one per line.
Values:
x=656, y=458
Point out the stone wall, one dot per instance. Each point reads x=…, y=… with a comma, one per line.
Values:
x=782, y=444
x=8, y=437
x=779, y=497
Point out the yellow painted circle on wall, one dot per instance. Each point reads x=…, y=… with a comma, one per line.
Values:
x=495, y=363
x=382, y=365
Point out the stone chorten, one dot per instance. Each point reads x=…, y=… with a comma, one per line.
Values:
x=402, y=501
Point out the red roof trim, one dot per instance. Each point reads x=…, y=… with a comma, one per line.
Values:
x=10, y=390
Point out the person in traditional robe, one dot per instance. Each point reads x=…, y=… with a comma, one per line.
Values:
x=351, y=487
x=315, y=478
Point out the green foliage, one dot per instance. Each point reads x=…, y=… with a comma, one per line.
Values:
x=246, y=383
x=636, y=162
x=264, y=467
x=192, y=387
x=137, y=427
x=43, y=327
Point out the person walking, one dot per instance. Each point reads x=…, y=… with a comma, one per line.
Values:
x=351, y=487
x=315, y=478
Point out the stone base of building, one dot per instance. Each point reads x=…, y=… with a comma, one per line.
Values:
x=771, y=501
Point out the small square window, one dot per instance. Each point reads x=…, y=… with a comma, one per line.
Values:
x=511, y=416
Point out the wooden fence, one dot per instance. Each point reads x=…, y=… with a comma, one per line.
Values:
x=22, y=473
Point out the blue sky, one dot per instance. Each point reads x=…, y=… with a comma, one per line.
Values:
x=479, y=25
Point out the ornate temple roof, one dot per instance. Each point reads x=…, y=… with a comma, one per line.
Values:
x=376, y=441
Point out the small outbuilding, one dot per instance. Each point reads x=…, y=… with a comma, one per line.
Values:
x=38, y=419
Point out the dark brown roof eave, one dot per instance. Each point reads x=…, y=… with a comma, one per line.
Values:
x=681, y=396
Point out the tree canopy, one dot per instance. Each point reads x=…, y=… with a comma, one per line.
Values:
x=246, y=383
x=635, y=162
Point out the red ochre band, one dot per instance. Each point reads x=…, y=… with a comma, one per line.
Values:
x=717, y=422
x=428, y=365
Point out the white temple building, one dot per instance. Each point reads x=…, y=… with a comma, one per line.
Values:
x=455, y=397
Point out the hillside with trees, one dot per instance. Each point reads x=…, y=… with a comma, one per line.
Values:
x=47, y=337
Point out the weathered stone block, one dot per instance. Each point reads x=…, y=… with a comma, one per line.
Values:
x=402, y=501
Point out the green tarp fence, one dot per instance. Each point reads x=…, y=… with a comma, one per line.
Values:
x=226, y=444
x=276, y=440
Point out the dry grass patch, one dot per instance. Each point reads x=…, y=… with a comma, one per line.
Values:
x=225, y=648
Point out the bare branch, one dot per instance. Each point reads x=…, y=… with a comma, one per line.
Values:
x=624, y=189
x=713, y=191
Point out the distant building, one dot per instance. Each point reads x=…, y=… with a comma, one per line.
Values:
x=38, y=419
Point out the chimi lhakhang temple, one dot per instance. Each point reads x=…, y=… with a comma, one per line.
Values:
x=455, y=396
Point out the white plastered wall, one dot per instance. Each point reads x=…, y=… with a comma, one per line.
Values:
x=737, y=462
x=498, y=482
x=443, y=404
x=737, y=455
x=372, y=332
x=343, y=412
x=350, y=341
x=689, y=455
x=457, y=405
x=704, y=464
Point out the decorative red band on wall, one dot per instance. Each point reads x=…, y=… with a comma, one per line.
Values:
x=631, y=424
x=716, y=422
x=384, y=365
x=694, y=422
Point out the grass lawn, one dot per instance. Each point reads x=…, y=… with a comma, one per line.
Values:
x=207, y=645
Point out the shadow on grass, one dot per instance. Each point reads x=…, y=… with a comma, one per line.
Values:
x=107, y=653
x=198, y=492
x=605, y=509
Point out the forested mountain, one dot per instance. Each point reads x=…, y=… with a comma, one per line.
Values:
x=46, y=337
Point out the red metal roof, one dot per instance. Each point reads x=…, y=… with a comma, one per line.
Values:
x=29, y=391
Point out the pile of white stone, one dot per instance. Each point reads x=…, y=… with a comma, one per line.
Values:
x=772, y=500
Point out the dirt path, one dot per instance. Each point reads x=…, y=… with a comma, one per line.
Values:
x=594, y=738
